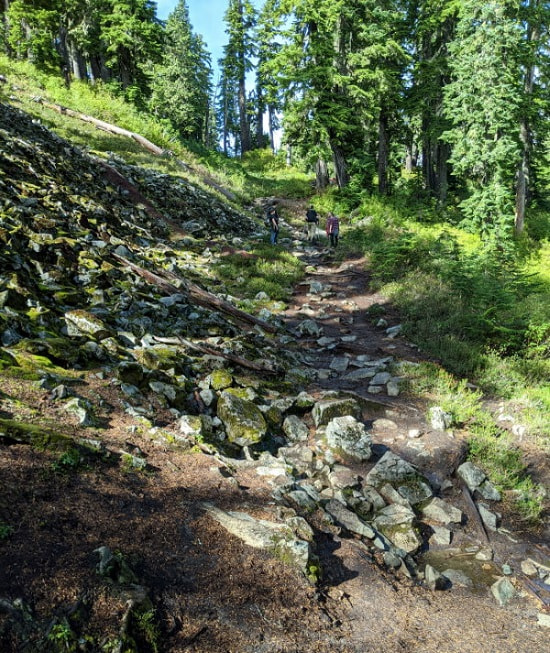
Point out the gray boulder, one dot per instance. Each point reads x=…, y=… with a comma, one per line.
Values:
x=347, y=437
x=295, y=429
x=328, y=409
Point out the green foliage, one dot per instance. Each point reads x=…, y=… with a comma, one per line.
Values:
x=62, y=638
x=68, y=461
x=489, y=446
x=5, y=531
x=271, y=270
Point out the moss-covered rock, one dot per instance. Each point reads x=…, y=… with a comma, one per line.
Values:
x=244, y=423
x=221, y=379
x=84, y=323
x=325, y=411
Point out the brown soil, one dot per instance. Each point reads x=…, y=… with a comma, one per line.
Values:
x=212, y=593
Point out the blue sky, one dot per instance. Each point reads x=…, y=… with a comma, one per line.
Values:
x=207, y=19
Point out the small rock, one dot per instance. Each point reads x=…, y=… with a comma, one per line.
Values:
x=457, y=577
x=441, y=536
x=490, y=519
x=393, y=389
x=442, y=512
x=503, y=591
x=543, y=619
x=439, y=419
x=434, y=579
x=339, y=364
x=529, y=568
x=348, y=437
x=472, y=475
x=295, y=429
x=394, y=331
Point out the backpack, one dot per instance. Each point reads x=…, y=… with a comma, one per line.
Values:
x=311, y=215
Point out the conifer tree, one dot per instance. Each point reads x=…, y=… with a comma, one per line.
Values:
x=240, y=18
x=483, y=103
x=182, y=81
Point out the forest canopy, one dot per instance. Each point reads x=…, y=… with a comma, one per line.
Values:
x=448, y=98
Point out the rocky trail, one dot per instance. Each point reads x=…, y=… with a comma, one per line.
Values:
x=175, y=477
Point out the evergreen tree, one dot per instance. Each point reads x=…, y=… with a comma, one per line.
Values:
x=483, y=102
x=240, y=18
x=182, y=83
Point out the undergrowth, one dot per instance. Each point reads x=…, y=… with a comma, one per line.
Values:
x=490, y=446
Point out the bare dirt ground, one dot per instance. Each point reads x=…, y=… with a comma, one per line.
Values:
x=211, y=592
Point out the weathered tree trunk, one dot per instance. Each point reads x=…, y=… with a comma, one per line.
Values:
x=340, y=165
x=271, y=114
x=321, y=174
x=383, y=153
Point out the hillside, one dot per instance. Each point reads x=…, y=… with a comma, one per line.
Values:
x=191, y=464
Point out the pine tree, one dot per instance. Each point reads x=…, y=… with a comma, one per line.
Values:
x=483, y=102
x=240, y=19
x=182, y=82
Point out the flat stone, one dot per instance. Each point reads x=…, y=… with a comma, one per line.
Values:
x=343, y=478
x=324, y=411
x=458, y=577
x=339, y=364
x=362, y=373
x=348, y=519
x=390, y=468
x=276, y=538
x=442, y=512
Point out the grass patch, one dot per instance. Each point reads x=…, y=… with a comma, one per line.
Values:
x=489, y=446
x=269, y=269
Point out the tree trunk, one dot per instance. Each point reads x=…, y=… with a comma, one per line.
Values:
x=321, y=174
x=443, y=153
x=260, y=110
x=383, y=153
x=340, y=165
x=271, y=114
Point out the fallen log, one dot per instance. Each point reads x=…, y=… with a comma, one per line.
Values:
x=198, y=295
x=108, y=127
x=141, y=140
x=233, y=358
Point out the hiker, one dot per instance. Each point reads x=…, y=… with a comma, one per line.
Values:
x=272, y=221
x=333, y=229
x=312, y=220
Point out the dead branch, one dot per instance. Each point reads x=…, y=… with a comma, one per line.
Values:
x=238, y=360
x=198, y=295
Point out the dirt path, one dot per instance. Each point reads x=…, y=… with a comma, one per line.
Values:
x=211, y=592
x=378, y=611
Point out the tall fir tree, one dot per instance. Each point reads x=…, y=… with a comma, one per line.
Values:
x=483, y=103
x=182, y=82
